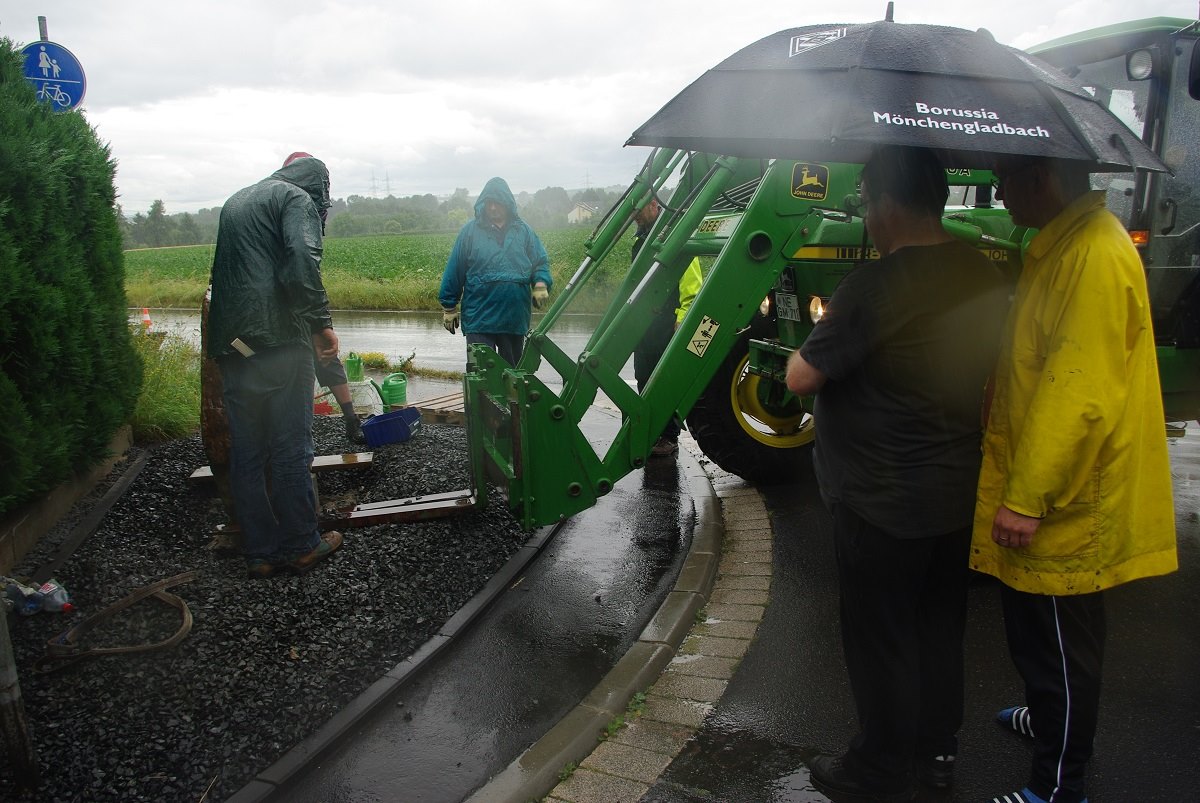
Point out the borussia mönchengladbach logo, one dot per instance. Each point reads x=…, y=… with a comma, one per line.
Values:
x=807, y=41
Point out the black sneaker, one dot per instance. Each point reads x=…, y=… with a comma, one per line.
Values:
x=936, y=771
x=831, y=774
x=664, y=447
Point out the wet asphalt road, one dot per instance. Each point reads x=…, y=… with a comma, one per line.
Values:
x=789, y=697
x=556, y=630
x=530, y=658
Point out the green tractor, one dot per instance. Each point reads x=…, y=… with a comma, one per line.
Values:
x=779, y=235
x=1148, y=74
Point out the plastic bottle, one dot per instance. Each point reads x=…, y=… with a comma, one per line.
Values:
x=24, y=599
x=55, y=597
x=28, y=600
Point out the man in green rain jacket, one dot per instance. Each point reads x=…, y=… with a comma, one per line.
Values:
x=1075, y=489
x=268, y=314
x=498, y=268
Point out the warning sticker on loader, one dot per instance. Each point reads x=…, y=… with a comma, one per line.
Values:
x=703, y=335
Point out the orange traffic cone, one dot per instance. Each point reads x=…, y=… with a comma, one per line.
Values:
x=146, y=323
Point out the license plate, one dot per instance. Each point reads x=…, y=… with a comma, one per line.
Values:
x=787, y=306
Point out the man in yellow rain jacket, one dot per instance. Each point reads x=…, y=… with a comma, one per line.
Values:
x=1075, y=488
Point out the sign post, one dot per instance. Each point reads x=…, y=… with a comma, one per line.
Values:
x=55, y=73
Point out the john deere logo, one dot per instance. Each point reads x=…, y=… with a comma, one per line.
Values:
x=810, y=181
x=807, y=41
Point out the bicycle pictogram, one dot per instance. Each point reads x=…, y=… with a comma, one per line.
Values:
x=54, y=94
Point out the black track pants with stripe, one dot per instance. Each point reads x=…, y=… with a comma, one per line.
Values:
x=1057, y=644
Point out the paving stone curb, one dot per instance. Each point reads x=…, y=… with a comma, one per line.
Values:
x=680, y=662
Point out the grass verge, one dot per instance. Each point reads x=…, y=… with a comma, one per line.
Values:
x=169, y=404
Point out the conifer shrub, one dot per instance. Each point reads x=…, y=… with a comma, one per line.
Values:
x=69, y=376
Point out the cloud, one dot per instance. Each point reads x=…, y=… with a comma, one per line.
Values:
x=198, y=100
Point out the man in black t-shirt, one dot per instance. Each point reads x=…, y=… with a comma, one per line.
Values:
x=899, y=364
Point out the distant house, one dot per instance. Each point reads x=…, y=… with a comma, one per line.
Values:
x=580, y=213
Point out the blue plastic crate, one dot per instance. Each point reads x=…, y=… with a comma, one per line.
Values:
x=393, y=427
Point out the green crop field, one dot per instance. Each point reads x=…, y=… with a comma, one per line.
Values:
x=399, y=272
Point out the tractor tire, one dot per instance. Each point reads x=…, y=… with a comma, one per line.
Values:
x=741, y=435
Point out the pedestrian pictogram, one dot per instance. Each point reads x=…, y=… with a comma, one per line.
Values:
x=55, y=73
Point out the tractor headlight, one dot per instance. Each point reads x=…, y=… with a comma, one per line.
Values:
x=1139, y=65
x=764, y=309
x=816, y=309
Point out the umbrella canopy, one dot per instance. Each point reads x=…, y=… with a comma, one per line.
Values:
x=833, y=92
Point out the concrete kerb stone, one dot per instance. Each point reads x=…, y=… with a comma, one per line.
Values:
x=626, y=765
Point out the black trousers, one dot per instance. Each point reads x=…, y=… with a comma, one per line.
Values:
x=903, y=611
x=649, y=352
x=1057, y=644
x=510, y=347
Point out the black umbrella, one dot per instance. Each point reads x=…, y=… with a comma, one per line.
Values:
x=833, y=92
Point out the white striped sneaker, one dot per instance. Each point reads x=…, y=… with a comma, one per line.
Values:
x=1016, y=719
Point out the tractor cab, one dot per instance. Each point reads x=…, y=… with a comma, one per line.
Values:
x=1148, y=74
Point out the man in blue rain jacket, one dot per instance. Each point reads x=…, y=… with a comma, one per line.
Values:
x=498, y=268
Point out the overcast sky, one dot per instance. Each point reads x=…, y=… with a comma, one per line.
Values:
x=198, y=99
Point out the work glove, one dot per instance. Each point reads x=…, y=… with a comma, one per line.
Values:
x=540, y=295
x=450, y=318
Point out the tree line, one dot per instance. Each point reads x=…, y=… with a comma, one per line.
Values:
x=358, y=215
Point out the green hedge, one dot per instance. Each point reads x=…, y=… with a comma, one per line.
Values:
x=69, y=376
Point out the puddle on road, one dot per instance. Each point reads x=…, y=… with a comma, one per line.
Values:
x=738, y=765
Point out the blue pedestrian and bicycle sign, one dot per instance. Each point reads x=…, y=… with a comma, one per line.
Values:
x=55, y=73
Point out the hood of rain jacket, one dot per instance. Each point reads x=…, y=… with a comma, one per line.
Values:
x=497, y=190
x=266, y=275
x=1075, y=433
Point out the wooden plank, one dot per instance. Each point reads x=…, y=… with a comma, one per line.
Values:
x=448, y=409
x=447, y=400
x=87, y=525
x=325, y=462
x=454, y=418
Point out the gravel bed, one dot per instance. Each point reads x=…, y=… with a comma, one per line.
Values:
x=267, y=662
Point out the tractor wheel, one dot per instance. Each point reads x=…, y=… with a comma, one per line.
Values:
x=744, y=434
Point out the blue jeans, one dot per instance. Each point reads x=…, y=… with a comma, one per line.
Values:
x=268, y=401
